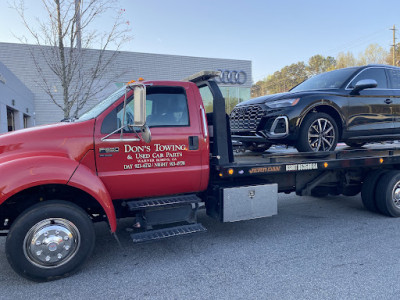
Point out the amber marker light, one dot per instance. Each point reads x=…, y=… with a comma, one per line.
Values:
x=325, y=164
x=130, y=82
x=230, y=171
x=141, y=79
x=381, y=160
x=220, y=175
x=295, y=102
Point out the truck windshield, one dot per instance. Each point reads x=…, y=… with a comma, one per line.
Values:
x=102, y=106
x=330, y=80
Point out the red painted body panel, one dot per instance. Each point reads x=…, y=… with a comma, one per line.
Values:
x=86, y=180
x=42, y=155
x=23, y=173
x=145, y=170
x=72, y=140
x=204, y=142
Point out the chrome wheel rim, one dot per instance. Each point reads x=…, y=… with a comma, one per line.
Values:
x=396, y=195
x=52, y=243
x=321, y=135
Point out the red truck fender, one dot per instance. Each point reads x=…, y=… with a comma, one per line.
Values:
x=86, y=180
x=23, y=173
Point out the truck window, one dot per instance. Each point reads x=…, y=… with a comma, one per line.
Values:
x=113, y=120
x=165, y=107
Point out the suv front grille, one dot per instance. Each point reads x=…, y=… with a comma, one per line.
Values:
x=246, y=117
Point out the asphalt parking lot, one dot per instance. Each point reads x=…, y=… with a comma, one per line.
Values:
x=328, y=248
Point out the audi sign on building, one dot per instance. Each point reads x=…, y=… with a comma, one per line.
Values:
x=235, y=81
x=232, y=77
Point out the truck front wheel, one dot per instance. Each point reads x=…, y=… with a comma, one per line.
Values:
x=50, y=240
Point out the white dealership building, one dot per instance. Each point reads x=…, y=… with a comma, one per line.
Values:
x=24, y=103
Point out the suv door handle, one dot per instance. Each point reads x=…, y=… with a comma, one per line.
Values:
x=388, y=101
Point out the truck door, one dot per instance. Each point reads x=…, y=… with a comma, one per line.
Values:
x=170, y=164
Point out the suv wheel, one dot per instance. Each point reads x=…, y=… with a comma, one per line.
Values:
x=318, y=132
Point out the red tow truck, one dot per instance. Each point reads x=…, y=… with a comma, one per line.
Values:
x=150, y=152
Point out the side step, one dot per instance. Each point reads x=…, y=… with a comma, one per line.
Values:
x=159, y=234
x=162, y=202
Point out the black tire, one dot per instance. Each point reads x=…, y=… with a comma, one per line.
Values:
x=368, y=189
x=387, y=194
x=326, y=141
x=355, y=144
x=50, y=240
x=259, y=148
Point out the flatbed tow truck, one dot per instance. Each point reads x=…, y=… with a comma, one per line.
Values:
x=57, y=180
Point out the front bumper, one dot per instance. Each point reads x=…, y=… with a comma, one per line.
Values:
x=274, y=128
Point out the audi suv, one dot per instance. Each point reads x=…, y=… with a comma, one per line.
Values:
x=351, y=105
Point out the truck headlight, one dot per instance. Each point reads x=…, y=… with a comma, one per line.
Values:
x=282, y=103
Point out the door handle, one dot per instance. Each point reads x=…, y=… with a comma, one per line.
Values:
x=193, y=143
x=388, y=101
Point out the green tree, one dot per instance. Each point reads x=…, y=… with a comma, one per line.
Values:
x=344, y=60
x=318, y=64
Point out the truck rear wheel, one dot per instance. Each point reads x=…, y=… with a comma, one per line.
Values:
x=50, y=240
x=387, y=194
x=369, y=188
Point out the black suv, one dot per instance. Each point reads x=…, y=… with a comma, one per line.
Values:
x=354, y=105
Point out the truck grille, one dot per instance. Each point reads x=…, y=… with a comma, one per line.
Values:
x=246, y=117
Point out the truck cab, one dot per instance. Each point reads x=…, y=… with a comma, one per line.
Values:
x=143, y=152
x=176, y=160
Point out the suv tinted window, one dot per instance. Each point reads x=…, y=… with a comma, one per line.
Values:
x=377, y=74
x=329, y=80
x=395, y=78
x=165, y=106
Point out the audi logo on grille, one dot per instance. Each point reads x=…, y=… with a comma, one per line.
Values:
x=232, y=77
x=242, y=110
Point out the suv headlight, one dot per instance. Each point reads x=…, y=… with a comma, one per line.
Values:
x=282, y=103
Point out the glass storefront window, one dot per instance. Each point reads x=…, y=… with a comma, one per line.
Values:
x=233, y=96
x=207, y=98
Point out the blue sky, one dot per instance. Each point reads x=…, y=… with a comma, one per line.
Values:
x=272, y=34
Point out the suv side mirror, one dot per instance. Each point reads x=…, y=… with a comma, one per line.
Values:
x=139, y=105
x=364, y=84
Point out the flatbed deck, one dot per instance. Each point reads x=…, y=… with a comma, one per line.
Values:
x=289, y=160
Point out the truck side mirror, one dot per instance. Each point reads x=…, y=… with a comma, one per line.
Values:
x=139, y=105
x=146, y=134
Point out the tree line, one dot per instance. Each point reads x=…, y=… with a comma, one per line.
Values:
x=291, y=75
